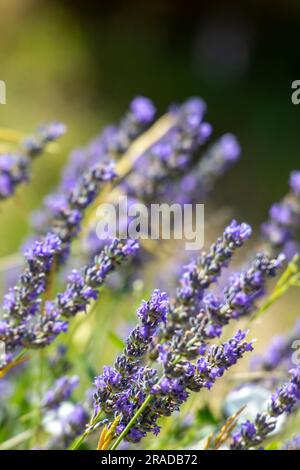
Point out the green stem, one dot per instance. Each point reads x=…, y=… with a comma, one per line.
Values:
x=79, y=441
x=131, y=422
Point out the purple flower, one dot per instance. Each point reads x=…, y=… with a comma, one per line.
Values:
x=282, y=401
x=230, y=147
x=156, y=307
x=61, y=391
x=142, y=109
x=83, y=285
x=25, y=325
x=13, y=171
x=279, y=352
x=239, y=297
x=23, y=300
x=166, y=159
x=201, y=273
x=6, y=185
x=181, y=376
x=124, y=387
x=293, y=444
x=52, y=131
x=66, y=222
x=15, y=168
x=237, y=233
x=281, y=214
x=70, y=421
x=295, y=182
x=219, y=157
x=281, y=230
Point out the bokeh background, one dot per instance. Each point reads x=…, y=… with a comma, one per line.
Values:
x=81, y=62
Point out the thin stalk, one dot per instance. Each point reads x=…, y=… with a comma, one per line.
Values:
x=131, y=422
x=142, y=408
x=90, y=428
x=17, y=440
x=80, y=440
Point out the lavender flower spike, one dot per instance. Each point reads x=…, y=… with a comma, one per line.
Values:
x=23, y=300
x=66, y=224
x=83, y=285
x=15, y=168
x=61, y=391
x=199, y=275
x=71, y=422
x=281, y=230
x=293, y=444
x=109, y=145
x=81, y=290
x=239, y=297
x=280, y=351
x=204, y=271
x=25, y=325
x=220, y=156
x=295, y=182
x=284, y=400
x=117, y=389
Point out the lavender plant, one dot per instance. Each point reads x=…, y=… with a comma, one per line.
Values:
x=292, y=444
x=284, y=400
x=280, y=351
x=15, y=167
x=182, y=343
x=143, y=401
x=28, y=322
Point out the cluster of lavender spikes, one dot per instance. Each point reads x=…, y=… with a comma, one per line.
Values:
x=28, y=321
x=194, y=315
x=280, y=351
x=284, y=400
x=200, y=181
x=113, y=141
x=122, y=390
x=282, y=229
x=61, y=417
x=14, y=167
x=71, y=425
x=176, y=333
x=67, y=221
x=61, y=390
x=116, y=388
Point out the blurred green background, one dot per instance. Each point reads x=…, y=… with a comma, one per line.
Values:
x=81, y=62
